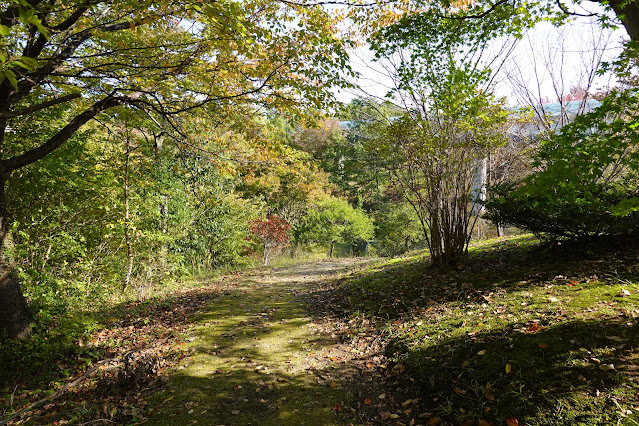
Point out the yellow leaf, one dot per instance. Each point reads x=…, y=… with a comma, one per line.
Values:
x=511, y=421
x=508, y=368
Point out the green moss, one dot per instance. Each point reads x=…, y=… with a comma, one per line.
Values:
x=521, y=332
x=255, y=359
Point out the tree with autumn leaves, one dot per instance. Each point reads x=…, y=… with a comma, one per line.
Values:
x=160, y=59
x=273, y=233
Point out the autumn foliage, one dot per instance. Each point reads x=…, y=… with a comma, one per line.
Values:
x=273, y=233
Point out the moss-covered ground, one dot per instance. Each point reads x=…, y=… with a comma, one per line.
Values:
x=258, y=358
x=524, y=334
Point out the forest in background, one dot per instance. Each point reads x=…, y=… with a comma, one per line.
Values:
x=147, y=145
x=146, y=142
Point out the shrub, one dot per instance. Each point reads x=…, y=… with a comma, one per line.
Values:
x=587, y=183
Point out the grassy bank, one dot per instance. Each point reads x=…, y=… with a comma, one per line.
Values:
x=526, y=333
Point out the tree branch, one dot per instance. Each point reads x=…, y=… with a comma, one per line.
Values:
x=59, y=138
x=567, y=12
x=43, y=105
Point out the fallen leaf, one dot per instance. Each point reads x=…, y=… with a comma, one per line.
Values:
x=511, y=421
x=482, y=352
x=534, y=327
x=544, y=346
x=606, y=367
x=484, y=423
x=405, y=403
x=433, y=421
x=367, y=401
x=337, y=407
x=616, y=339
x=385, y=415
x=508, y=368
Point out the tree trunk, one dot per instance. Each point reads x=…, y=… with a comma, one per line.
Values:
x=127, y=217
x=15, y=318
x=164, y=228
x=628, y=14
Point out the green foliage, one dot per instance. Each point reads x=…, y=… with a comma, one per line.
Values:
x=432, y=162
x=53, y=344
x=333, y=220
x=60, y=242
x=397, y=229
x=587, y=182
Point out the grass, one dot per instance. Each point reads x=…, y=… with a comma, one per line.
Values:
x=545, y=335
x=548, y=336
x=255, y=358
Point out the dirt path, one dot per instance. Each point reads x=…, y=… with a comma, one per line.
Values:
x=259, y=359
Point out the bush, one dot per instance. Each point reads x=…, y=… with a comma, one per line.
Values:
x=398, y=229
x=333, y=221
x=587, y=185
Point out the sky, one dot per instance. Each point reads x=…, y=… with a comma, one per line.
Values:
x=543, y=65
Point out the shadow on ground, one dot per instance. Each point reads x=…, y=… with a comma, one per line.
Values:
x=543, y=334
x=256, y=358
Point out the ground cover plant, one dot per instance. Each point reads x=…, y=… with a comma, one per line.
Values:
x=525, y=334
x=99, y=366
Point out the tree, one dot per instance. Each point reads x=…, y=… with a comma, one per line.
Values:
x=273, y=233
x=160, y=58
x=334, y=221
x=397, y=229
x=435, y=154
x=586, y=183
x=549, y=65
x=433, y=161
x=487, y=18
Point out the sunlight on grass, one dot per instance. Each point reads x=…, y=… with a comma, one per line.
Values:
x=255, y=359
x=525, y=331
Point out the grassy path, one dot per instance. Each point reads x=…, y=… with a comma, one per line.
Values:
x=258, y=359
